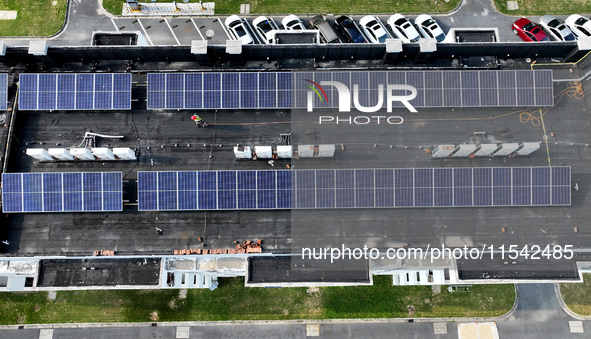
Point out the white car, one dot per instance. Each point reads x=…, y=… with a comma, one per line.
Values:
x=429, y=28
x=580, y=25
x=292, y=22
x=264, y=27
x=556, y=28
x=238, y=30
x=403, y=28
x=374, y=29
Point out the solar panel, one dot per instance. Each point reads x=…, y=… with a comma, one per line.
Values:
x=353, y=188
x=289, y=90
x=62, y=192
x=3, y=91
x=69, y=91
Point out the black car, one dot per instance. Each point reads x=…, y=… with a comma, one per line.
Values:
x=349, y=29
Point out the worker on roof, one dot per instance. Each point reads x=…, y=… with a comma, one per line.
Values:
x=200, y=122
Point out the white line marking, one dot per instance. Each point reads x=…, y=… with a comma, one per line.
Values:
x=113, y=21
x=197, y=28
x=145, y=33
x=224, y=27
x=171, y=31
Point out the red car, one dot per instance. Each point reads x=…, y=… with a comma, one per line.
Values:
x=529, y=31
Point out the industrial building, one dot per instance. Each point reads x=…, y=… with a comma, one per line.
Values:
x=107, y=182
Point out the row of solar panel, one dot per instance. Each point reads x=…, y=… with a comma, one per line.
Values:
x=106, y=91
x=3, y=91
x=66, y=91
x=289, y=90
x=255, y=81
x=368, y=188
x=62, y=192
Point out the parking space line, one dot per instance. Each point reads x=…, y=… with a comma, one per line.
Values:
x=145, y=33
x=114, y=24
x=171, y=31
x=197, y=28
x=225, y=30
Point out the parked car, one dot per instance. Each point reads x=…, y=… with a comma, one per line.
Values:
x=292, y=22
x=349, y=29
x=327, y=33
x=374, y=29
x=238, y=30
x=403, y=28
x=429, y=28
x=556, y=28
x=580, y=25
x=529, y=31
x=264, y=27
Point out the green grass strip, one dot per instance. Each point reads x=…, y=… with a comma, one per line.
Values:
x=233, y=301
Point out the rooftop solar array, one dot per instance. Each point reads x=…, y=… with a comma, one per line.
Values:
x=219, y=90
x=289, y=90
x=69, y=91
x=62, y=192
x=354, y=188
x=3, y=91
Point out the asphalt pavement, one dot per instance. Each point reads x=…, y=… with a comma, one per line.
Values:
x=88, y=16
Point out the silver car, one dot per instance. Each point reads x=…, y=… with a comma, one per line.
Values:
x=264, y=27
x=374, y=29
x=403, y=28
x=429, y=28
x=580, y=25
x=556, y=28
x=237, y=29
x=293, y=23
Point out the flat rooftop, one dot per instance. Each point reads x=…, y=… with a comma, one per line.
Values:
x=98, y=272
x=284, y=269
x=169, y=140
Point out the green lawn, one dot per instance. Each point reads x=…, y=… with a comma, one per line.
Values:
x=541, y=7
x=233, y=301
x=34, y=17
x=578, y=296
x=315, y=7
x=386, y=301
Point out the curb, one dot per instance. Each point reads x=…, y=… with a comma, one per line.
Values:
x=55, y=35
x=254, y=322
x=272, y=322
x=565, y=308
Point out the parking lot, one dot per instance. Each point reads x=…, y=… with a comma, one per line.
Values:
x=172, y=31
x=181, y=31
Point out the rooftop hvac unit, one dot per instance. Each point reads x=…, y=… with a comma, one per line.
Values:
x=103, y=153
x=305, y=151
x=442, y=151
x=60, y=153
x=464, y=150
x=485, y=150
x=326, y=151
x=242, y=152
x=507, y=148
x=39, y=154
x=263, y=152
x=82, y=153
x=124, y=153
x=528, y=148
x=284, y=152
